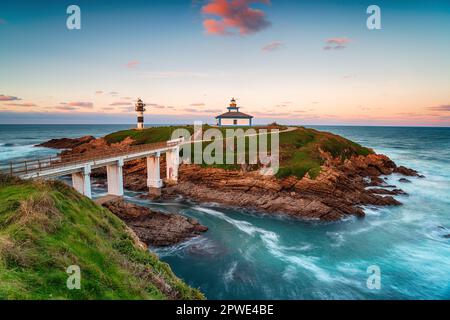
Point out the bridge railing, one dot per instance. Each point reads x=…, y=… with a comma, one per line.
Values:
x=35, y=165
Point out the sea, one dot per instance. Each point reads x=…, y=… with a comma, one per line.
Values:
x=400, y=252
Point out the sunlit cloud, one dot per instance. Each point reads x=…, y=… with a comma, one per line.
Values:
x=336, y=43
x=234, y=15
x=441, y=108
x=99, y=92
x=20, y=104
x=273, y=46
x=8, y=98
x=132, y=64
x=79, y=104
x=65, y=108
x=121, y=103
x=198, y=104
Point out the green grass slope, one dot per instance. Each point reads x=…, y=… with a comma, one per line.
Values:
x=46, y=227
x=300, y=151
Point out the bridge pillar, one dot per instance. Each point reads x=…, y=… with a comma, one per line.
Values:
x=115, y=178
x=154, y=182
x=172, y=163
x=81, y=181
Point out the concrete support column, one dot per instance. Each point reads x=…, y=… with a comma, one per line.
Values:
x=81, y=181
x=115, y=178
x=172, y=163
x=154, y=182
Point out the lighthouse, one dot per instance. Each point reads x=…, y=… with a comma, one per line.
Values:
x=140, y=108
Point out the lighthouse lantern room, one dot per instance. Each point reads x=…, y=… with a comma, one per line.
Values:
x=140, y=108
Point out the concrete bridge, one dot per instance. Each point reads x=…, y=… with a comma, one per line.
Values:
x=80, y=166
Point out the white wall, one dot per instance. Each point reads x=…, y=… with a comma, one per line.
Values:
x=240, y=122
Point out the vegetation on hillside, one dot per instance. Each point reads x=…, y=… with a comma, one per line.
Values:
x=45, y=227
x=300, y=150
x=148, y=135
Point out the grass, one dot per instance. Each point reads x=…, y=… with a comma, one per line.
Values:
x=46, y=227
x=148, y=135
x=300, y=150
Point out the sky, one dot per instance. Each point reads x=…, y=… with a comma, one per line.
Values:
x=293, y=62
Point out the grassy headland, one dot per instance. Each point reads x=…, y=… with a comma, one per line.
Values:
x=46, y=227
x=300, y=150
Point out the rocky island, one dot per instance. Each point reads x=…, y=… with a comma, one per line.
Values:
x=322, y=176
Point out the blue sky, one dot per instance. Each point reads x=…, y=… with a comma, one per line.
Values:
x=278, y=69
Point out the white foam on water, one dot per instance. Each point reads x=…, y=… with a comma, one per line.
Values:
x=271, y=242
x=20, y=151
x=228, y=275
x=179, y=248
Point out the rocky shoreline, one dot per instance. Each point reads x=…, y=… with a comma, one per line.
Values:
x=341, y=189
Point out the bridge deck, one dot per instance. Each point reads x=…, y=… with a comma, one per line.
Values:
x=61, y=165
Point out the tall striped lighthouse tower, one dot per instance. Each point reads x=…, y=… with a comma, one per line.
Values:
x=140, y=108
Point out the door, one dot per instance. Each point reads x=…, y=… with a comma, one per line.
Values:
x=235, y=122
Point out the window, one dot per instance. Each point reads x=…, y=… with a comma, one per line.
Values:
x=234, y=121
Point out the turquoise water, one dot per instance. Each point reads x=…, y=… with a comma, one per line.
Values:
x=245, y=255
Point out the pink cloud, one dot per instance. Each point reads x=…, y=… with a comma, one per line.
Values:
x=79, y=104
x=21, y=105
x=441, y=108
x=8, y=98
x=121, y=103
x=234, y=14
x=132, y=64
x=275, y=45
x=336, y=43
x=65, y=108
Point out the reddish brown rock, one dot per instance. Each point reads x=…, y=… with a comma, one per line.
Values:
x=407, y=172
x=66, y=143
x=155, y=228
x=338, y=191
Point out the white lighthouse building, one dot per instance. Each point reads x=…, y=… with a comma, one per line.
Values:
x=234, y=117
x=140, y=108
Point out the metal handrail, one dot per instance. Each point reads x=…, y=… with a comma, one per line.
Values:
x=33, y=165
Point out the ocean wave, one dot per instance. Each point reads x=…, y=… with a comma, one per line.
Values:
x=271, y=241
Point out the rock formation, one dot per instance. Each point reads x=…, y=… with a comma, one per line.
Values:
x=66, y=143
x=155, y=228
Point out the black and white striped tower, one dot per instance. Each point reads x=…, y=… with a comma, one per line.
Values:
x=140, y=108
